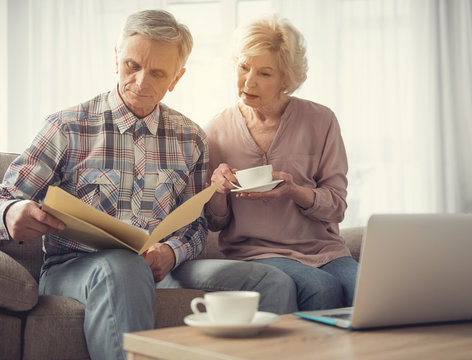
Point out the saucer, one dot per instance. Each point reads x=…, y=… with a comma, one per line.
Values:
x=260, y=321
x=258, y=188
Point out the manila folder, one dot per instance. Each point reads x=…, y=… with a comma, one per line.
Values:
x=92, y=227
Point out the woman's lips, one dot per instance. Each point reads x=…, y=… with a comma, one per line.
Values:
x=250, y=96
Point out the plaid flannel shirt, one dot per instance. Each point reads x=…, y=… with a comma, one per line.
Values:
x=137, y=170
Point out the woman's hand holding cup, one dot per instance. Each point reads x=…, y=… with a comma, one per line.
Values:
x=224, y=172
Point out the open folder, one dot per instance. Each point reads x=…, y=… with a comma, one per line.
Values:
x=92, y=227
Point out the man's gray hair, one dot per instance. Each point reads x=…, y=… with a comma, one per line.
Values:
x=159, y=25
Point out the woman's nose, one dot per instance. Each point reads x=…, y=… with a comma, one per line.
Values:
x=250, y=79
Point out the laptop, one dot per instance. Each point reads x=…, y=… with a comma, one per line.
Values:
x=414, y=269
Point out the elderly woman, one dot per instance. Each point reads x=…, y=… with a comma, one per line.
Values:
x=293, y=227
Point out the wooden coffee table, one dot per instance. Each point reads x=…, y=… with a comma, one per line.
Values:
x=296, y=338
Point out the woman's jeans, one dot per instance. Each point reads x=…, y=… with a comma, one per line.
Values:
x=118, y=290
x=330, y=286
x=278, y=291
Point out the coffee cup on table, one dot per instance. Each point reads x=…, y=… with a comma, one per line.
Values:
x=256, y=176
x=228, y=307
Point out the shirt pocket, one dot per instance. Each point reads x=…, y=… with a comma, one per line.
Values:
x=99, y=188
x=169, y=191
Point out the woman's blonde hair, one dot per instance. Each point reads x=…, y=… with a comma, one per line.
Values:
x=277, y=35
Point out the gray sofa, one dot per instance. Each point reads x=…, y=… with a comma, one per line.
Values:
x=50, y=327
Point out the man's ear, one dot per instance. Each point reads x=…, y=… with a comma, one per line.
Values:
x=177, y=78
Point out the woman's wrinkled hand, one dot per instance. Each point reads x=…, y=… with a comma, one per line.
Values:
x=288, y=189
x=284, y=189
x=226, y=173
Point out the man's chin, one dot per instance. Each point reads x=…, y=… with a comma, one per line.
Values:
x=140, y=109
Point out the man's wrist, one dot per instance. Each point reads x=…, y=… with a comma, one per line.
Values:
x=5, y=217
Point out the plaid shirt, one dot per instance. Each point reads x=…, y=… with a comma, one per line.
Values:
x=137, y=170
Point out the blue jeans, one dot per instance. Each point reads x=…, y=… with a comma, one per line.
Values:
x=278, y=291
x=330, y=286
x=118, y=290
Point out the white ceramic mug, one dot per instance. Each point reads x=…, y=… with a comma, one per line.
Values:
x=259, y=175
x=228, y=307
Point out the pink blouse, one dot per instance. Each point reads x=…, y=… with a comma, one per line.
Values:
x=309, y=146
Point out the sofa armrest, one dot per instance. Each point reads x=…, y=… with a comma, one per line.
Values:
x=353, y=238
x=18, y=289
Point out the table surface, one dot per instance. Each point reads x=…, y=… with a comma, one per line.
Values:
x=297, y=338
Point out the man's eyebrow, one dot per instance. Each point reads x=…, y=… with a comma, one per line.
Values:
x=130, y=60
x=157, y=71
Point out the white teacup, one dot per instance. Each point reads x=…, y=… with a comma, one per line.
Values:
x=228, y=307
x=259, y=175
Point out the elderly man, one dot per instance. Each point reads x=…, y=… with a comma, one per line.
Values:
x=129, y=155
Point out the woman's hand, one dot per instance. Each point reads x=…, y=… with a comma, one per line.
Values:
x=224, y=172
x=302, y=196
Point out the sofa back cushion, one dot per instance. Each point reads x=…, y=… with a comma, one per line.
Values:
x=28, y=254
x=19, y=289
x=5, y=161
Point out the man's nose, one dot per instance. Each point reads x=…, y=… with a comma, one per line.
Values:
x=142, y=78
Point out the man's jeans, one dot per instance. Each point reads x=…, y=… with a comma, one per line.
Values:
x=277, y=289
x=117, y=289
x=330, y=286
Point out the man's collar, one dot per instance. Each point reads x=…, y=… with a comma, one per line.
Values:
x=125, y=119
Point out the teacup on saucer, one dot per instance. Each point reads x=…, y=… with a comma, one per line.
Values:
x=260, y=321
x=256, y=176
x=259, y=188
x=228, y=307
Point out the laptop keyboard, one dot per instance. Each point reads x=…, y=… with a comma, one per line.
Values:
x=343, y=316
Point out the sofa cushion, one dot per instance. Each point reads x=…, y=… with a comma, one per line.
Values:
x=10, y=337
x=211, y=251
x=172, y=305
x=19, y=289
x=28, y=254
x=55, y=330
x=5, y=161
x=353, y=238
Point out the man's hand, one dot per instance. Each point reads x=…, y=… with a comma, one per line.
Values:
x=25, y=221
x=161, y=260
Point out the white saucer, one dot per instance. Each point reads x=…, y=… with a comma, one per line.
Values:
x=260, y=321
x=258, y=188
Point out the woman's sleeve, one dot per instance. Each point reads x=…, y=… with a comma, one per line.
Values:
x=216, y=222
x=331, y=181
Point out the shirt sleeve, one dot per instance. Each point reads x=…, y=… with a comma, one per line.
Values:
x=330, y=192
x=217, y=222
x=188, y=242
x=29, y=176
